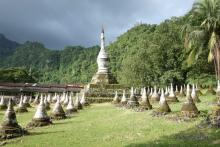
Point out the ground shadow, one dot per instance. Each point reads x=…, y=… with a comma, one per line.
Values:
x=42, y=133
x=196, y=136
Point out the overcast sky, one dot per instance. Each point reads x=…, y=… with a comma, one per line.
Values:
x=58, y=23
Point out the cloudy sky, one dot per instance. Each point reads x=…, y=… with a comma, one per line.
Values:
x=58, y=23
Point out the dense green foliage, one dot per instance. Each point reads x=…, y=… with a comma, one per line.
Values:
x=16, y=75
x=71, y=65
x=144, y=55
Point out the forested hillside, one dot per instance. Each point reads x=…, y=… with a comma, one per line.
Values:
x=7, y=47
x=144, y=55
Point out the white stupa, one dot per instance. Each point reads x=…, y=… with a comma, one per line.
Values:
x=70, y=107
x=155, y=96
x=3, y=104
x=164, y=107
x=83, y=100
x=189, y=108
x=77, y=104
x=103, y=75
x=172, y=97
x=58, y=112
x=124, y=98
x=40, y=117
x=194, y=95
x=21, y=106
x=116, y=99
x=144, y=103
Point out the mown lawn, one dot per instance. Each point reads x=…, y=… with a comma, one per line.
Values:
x=107, y=125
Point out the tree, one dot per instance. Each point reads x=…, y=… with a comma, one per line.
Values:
x=203, y=32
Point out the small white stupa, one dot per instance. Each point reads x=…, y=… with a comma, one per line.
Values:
x=25, y=101
x=133, y=101
x=21, y=106
x=83, y=100
x=189, y=108
x=145, y=104
x=164, y=107
x=54, y=99
x=46, y=103
x=124, y=98
x=155, y=96
x=172, y=97
x=116, y=99
x=182, y=92
x=3, y=105
x=10, y=127
x=66, y=100
x=77, y=104
x=58, y=112
x=194, y=95
x=40, y=117
x=36, y=100
x=70, y=107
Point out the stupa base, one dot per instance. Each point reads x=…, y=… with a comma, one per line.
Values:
x=164, y=108
x=210, y=91
x=39, y=122
x=11, y=131
x=189, y=110
x=58, y=116
x=172, y=99
x=145, y=106
x=71, y=111
x=132, y=104
x=21, y=110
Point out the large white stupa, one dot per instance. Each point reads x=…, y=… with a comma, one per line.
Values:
x=103, y=75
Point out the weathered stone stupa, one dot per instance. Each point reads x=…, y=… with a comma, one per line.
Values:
x=133, y=101
x=116, y=99
x=164, y=107
x=58, y=112
x=155, y=96
x=172, y=97
x=194, y=95
x=70, y=107
x=182, y=92
x=83, y=100
x=40, y=118
x=21, y=106
x=36, y=100
x=26, y=102
x=144, y=103
x=124, y=99
x=77, y=104
x=10, y=127
x=189, y=108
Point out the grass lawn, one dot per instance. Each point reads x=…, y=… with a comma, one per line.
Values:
x=107, y=125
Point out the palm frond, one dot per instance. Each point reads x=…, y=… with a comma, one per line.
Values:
x=210, y=56
x=212, y=41
x=191, y=58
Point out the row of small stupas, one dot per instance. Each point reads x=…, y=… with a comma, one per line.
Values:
x=188, y=109
x=10, y=127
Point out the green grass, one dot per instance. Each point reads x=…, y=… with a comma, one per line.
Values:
x=106, y=125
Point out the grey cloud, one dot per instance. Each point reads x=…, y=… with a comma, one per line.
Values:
x=58, y=23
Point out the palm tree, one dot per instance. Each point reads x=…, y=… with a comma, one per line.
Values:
x=204, y=32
